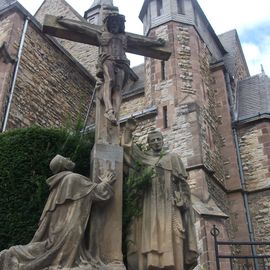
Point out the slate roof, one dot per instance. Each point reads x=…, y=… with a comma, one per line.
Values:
x=232, y=45
x=138, y=86
x=253, y=97
x=6, y=3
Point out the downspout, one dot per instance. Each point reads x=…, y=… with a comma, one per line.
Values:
x=241, y=172
x=15, y=74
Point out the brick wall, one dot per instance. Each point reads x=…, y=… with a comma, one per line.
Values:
x=50, y=89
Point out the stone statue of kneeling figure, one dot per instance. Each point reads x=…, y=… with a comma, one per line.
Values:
x=60, y=241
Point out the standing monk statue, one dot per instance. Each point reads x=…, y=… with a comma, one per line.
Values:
x=164, y=236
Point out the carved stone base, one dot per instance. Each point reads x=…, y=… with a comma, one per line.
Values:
x=105, y=240
x=115, y=266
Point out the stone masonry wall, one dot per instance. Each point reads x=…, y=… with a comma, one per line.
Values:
x=228, y=150
x=255, y=154
x=85, y=54
x=212, y=142
x=254, y=143
x=260, y=214
x=50, y=91
x=171, y=91
x=132, y=105
x=189, y=95
x=10, y=31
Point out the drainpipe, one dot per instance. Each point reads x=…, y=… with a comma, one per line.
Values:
x=241, y=172
x=15, y=74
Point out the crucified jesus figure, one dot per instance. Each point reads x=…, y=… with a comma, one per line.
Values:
x=113, y=65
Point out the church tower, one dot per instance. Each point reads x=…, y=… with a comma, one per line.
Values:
x=190, y=93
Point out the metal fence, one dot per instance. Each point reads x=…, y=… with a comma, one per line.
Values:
x=256, y=259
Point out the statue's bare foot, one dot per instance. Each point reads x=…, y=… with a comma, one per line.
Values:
x=111, y=117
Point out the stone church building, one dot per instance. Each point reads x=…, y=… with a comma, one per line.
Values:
x=203, y=99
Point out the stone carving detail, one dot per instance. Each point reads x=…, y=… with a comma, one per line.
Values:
x=164, y=236
x=60, y=241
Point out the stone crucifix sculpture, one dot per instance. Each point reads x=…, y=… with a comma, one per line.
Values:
x=113, y=71
x=112, y=66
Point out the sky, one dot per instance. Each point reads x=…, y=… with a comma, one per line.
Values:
x=250, y=18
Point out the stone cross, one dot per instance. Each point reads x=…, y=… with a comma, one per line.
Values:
x=113, y=42
x=113, y=70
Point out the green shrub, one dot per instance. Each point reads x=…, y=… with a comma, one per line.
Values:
x=24, y=166
x=25, y=155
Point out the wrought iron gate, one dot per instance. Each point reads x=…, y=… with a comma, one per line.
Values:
x=258, y=258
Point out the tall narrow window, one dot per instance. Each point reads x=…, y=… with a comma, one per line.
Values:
x=159, y=7
x=180, y=7
x=165, y=117
x=163, y=71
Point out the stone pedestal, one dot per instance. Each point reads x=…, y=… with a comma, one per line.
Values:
x=106, y=218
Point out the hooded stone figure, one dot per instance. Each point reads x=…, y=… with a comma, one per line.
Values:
x=60, y=242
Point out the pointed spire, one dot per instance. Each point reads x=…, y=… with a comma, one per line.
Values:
x=102, y=3
x=262, y=70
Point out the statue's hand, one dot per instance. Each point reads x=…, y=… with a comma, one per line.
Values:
x=108, y=177
x=182, y=200
x=131, y=124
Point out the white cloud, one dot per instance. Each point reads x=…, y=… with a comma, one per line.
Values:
x=251, y=50
x=257, y=55
x=236, y=14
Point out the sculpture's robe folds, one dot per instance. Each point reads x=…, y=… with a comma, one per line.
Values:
x=59, y=241
x=164, y=236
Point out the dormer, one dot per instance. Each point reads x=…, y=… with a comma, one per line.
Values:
x=95, y=14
